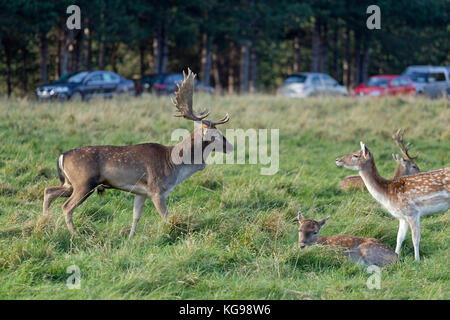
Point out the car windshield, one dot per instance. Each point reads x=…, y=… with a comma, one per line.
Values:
x=296, y=79
x=421, y=77
x=377, y=82
x=73, y=77
x=171, y=79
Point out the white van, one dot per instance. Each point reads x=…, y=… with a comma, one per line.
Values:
x=432, y=81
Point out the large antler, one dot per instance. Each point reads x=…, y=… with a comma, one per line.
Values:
x=398, y=139
x=184, y=97
x=184, y=100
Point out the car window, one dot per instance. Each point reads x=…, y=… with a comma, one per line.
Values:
x=295, y=79
x=328, y=81
x=171, y=79
x=315, y=80
x=96, y=77
x=404, y=82
x=437, y=76
x=377, y=82
x=420, y=77
x=111, y=77
x=396, y=82
x=77, y=77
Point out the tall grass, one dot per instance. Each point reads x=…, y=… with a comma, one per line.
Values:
x=232, y=233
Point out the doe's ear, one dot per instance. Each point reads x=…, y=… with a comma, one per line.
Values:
x=300, y=217
x=364, y=149
x=323, y=221
x=397, y=157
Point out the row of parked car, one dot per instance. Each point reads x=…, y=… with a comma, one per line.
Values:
x=83, y=85
x=431, y=81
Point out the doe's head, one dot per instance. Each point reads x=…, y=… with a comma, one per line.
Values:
x=405, y=166
x=356, y=160
x=308, y=231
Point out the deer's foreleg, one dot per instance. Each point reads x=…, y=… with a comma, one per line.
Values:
x=402, y=230
x=137, y=212
x=414, y=222
x=159, y=201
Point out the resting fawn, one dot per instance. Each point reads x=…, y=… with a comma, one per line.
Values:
x=362, y=250
x=406, y=198
x=405, y=165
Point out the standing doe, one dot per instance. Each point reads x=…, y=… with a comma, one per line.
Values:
x=405, y=165
x=406, y=198
x=146, y=170
x=362, y=250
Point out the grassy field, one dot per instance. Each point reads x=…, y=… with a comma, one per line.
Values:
x=232, y=233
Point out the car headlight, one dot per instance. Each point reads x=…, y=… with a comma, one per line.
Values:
x=375, y=93
x=60, y=89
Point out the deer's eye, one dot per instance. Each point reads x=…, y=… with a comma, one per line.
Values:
x=315, y=232
x=355, y=156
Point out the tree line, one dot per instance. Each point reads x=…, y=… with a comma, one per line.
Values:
x=237, y=46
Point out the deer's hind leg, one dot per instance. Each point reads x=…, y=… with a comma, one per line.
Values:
x=52, y=193
x=374, y=252
x=78, y=196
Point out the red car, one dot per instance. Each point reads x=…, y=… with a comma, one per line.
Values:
x=386, y=85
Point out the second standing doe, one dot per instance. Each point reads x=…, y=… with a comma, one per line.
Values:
x=146, y=170
x=406, y=198
x=405, y=165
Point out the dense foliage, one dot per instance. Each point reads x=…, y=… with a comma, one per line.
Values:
x=235, y=45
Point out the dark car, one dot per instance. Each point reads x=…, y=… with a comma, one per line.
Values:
x=165, y=84
x=85, y=85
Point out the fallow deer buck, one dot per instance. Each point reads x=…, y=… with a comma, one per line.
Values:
x=362, y=250
x=146, y=170
x=405, y=165
x=406, y=198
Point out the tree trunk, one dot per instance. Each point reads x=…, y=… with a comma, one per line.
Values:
x=365, y=62
x=357, y=60
x=156, y=52
x=215, y=71
x=80, y=42
x=142, y=60
x=8, y=68
x=101, y=54
x=43, y=58
x=231, y=69
x=296, y=67
x=316, y=46
x=346, y=59
x=114, y=49
x=335, y=54
x=165, y=52
x=254, y=62
x=324, y=48
x=24, y=70
x=88, y=33
x=245, y=66
x=206, y=58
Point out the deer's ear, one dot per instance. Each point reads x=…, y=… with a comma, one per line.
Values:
x=300, y=217
x=364, y=149
x=397, y=158
x=323, y=221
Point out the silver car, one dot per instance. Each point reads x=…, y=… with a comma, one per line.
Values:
x=431, y=81
x=308, y=84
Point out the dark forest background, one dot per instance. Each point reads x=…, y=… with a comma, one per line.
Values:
x=235, y=46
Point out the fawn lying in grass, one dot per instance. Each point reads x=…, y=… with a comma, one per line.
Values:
x=362, y=250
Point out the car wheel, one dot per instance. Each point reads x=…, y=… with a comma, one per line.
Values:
x=76, y=96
